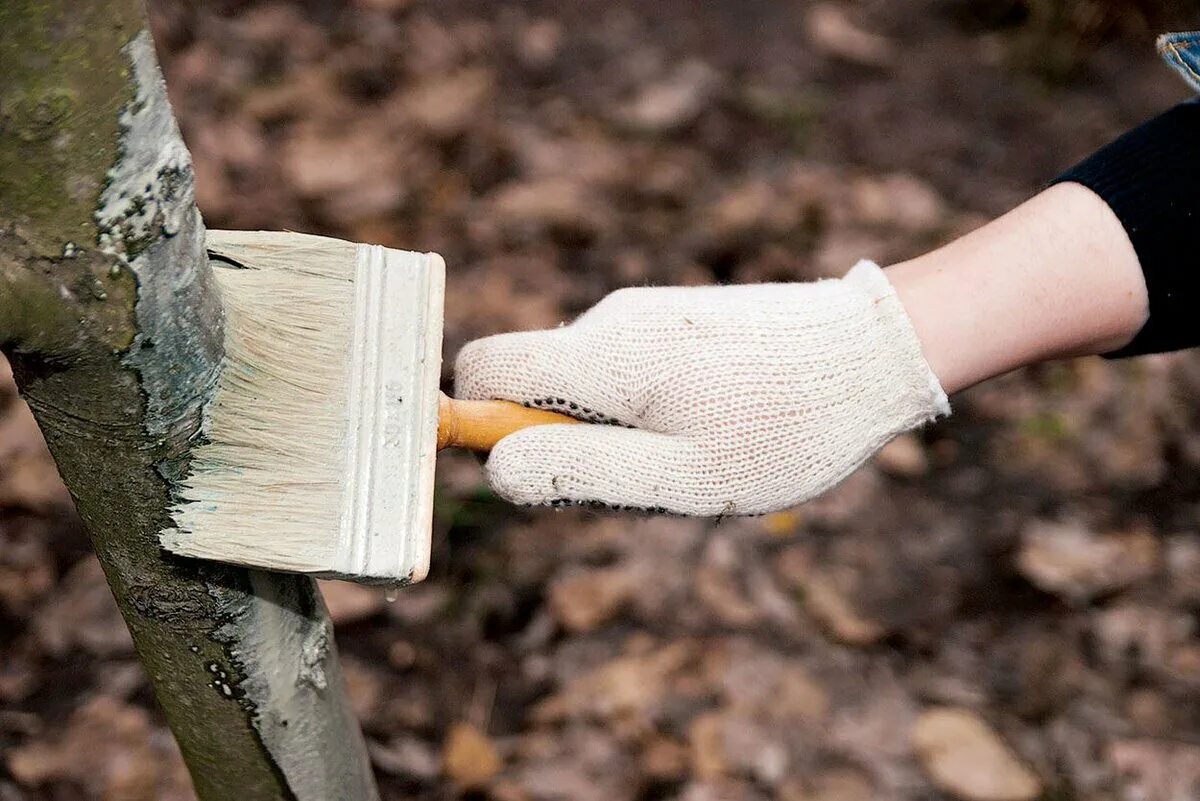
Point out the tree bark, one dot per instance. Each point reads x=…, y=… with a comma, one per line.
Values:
x=110, y=319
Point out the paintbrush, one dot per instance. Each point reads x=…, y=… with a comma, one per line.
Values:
x=319, y=442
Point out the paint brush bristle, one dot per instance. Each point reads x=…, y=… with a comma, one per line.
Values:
x=321, y=434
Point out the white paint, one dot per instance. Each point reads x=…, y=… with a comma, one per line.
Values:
x=295, y=687
x=147, y=218
x=323, y=430
x=276, y=629
x=148, y=193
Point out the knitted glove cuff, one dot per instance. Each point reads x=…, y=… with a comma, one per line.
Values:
x=867, y=277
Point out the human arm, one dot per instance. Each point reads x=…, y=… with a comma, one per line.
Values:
x=1102, y=262
x=1053, y=278
x=747, y=399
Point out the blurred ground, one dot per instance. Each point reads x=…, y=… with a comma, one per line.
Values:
x=1002, y=607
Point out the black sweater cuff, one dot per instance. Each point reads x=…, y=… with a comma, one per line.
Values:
x=1150, y=177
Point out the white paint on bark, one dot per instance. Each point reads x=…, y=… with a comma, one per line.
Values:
x=293, y=680
x=147, y=217
x=148, y=193
x=276, y=629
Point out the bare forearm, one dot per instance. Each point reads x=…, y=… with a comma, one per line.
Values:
x=1055, y=277
x=1100, y=263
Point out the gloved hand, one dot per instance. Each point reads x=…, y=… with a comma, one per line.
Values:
x=722, y=400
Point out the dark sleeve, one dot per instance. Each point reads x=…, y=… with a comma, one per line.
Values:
x=1150, y=177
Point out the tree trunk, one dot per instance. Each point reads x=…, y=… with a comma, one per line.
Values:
x=108, y=314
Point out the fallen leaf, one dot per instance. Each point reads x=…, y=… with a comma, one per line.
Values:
x=835, y=614
x=468, y=757
x=1072, y=561
x=782, y=524
x=585, y=601
x=446, y=105
x=674, y=102
x=627, y=687
x=964, y=757
x=718, y=589
x=552, y=204
x=831, y=31
x=898, y=200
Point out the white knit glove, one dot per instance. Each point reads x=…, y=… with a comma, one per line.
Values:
x=724, y=400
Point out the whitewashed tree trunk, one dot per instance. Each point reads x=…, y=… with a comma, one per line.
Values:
x=109, y=319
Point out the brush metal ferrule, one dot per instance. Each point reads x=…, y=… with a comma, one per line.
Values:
x=394, y=372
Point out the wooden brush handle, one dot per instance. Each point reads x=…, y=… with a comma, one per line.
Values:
x=479, y=425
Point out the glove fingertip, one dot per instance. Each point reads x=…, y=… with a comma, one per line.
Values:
x=586, y=464
x=509, y=366
x=521, y=472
